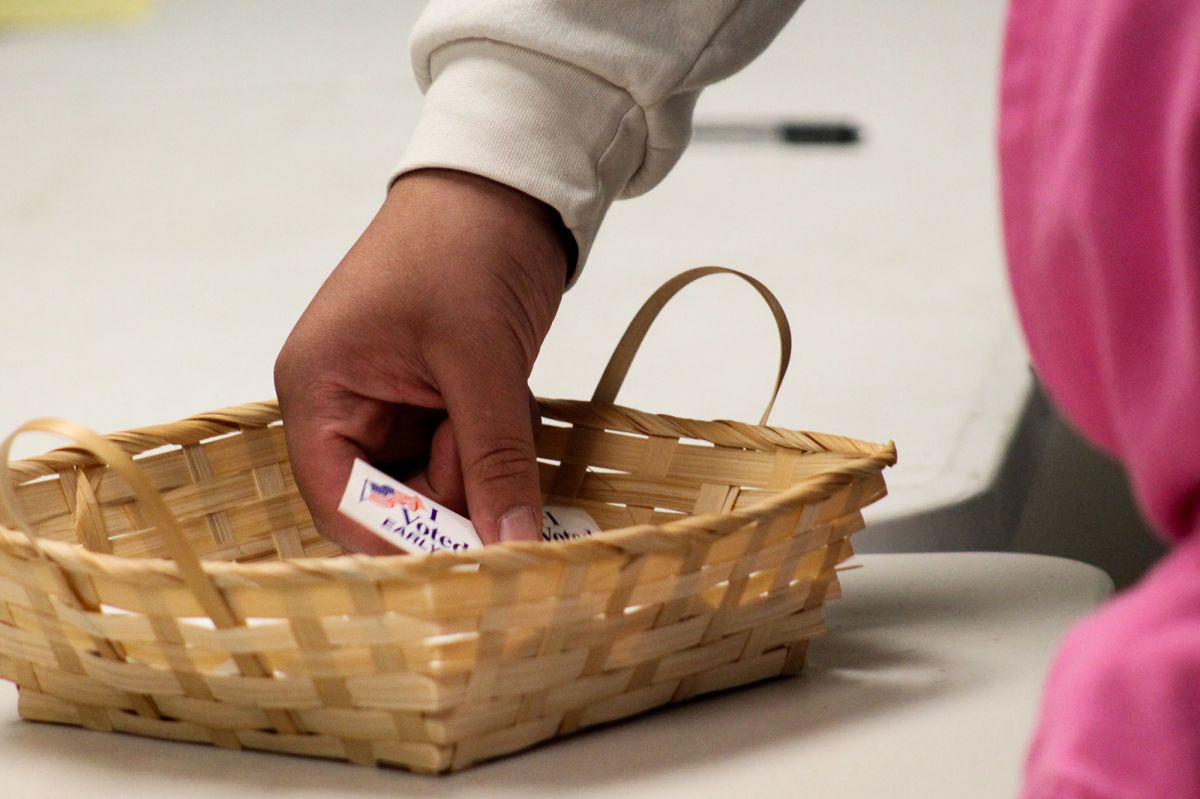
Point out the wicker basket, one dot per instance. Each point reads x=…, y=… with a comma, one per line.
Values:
x=729, y=534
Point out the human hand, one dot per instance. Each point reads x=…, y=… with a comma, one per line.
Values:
x=414, y=356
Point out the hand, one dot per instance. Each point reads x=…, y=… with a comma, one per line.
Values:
x=415, y=355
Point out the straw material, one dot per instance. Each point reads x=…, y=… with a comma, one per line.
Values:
x=186, y=595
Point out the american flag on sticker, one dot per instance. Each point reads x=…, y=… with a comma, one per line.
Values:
x=388, y=497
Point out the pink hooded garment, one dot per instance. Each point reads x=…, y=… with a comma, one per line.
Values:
x=1100, y=169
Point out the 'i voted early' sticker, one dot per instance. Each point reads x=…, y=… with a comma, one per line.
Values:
x=401, y=516
x=417, y=524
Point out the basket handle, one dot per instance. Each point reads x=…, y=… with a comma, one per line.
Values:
x=622, y=357
x=106, y=452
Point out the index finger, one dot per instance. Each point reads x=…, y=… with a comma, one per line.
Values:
x=321, y=462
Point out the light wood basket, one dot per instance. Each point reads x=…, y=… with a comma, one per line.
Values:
x=184, y=593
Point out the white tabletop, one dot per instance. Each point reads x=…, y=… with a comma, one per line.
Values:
x=175, y=189
x=926, y=686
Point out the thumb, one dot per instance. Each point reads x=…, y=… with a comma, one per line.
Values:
x=489, y=408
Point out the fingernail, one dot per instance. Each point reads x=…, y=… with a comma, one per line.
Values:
x=518, y=525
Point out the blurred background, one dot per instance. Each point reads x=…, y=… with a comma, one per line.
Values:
x=178, y=177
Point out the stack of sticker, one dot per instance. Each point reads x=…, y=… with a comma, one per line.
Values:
x=412, y=521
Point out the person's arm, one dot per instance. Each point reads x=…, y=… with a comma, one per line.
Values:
x=575, y=102
x=415, y=353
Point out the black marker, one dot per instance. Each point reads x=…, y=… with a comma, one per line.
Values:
x=783, y=132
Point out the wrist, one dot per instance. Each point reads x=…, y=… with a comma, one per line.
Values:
x=549, y=128
x=528, y=229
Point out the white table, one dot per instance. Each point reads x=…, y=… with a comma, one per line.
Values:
x=926, y=686
x=175, y=189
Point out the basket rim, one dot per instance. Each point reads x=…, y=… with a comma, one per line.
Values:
x=200, y=427
x=503, y=557
x=720, y=432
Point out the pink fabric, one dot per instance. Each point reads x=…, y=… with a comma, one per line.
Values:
x=1100, y=168
x=1100, y=158
x=1121, y=711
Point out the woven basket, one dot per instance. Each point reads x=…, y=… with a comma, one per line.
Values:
x=723, y=545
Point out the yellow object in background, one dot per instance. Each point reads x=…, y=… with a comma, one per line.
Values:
x=67, y=12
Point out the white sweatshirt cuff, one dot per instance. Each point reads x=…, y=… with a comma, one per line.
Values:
x=540, y=125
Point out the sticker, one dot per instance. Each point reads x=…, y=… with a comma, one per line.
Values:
x=402, y=516
x=417, y=524
x=562, y=523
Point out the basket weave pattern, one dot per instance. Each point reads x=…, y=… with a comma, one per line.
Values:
x=723, y=546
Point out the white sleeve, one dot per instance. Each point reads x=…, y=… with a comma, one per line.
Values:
x=574, y=102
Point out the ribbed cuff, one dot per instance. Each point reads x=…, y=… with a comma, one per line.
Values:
x=537, y=124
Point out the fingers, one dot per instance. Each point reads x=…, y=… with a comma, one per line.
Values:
x=441, y=478
x=502, y=482
x=321, y=461
x=489, y=405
